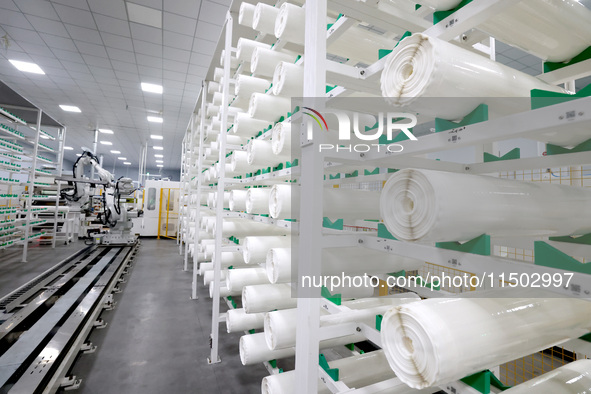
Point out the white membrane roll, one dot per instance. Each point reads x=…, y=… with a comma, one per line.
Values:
x=245, y=14
x=422, y=67
x=247, y=126
x=253, y=348
x=238, y=320
x=278, y=265
x=231, y=258
x=338, y=203
x=281, y=138
x=218, y=73
x=224, y=292
x=572, y=378
x=268, y=107
x=255, y=248
x=226, y=200
x=247, y=85
x=236, y=279
x=245, y=47
x=260, y=154
x=213, y=87
x=240, y=228
x=280, y=326
x=288, y=80
x=439, y=340
x=424, y=205
x=553, y=30
x=212, y=110
x=356, y=371
x=237, y=200
x=234, y=63
x=257, y=200
x=267, y=297
x=208, y=277
x=217, y=98
x=264, y=18
x=205, y=267
x=239, y=161
x=288, y=24
x=264, y=61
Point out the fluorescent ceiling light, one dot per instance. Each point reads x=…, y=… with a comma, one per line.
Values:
x=156, y=137
x=158, y=148
x=70, y=108
x=27, y=67
x=78, y=154
x=68, y=148
x=144, y=15
x=122, y=158
x=106, y=131
x=155, y=119
x=115, y=152
x=43, y=136
x=159, y=156
x=127, y=163
x=106, y=143
x=151, y=88
x=159, y=161
x=159, y=165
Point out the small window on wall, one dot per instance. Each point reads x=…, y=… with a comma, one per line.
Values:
x=151, y=199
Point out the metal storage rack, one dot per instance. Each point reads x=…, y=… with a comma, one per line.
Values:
x=318, y=70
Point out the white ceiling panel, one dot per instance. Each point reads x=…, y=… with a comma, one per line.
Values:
x=22, y=35
x=180, y=41
x=59, y=42
x=98, y=62
x=157, y=4
x=213, y=12
x=9, y=5
x=74, y=16
x=37, y=8
x=176, y=54
x=15, y=19
x=208, y=31
x=84, y=34
x=179, y=24
x=146, y=33
x=91, y=49
x=204, y=46
x=34, y=49
x=188, y=8
x=73, y=3
x=112, y=8
x=49, y=26
x=150, y=61
x=147, y=48
x=115, y=41
x=121, y=55
x=112, y=25
x=178, y=67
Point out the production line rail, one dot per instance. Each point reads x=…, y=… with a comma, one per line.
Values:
x=44, y=324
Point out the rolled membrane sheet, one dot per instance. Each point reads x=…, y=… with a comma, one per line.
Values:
x=257, y=200
x=246, y=14
x=255, y=248
x=427, y=67
x=236, y=279
x=237, y=200
x=241, y=228
x=357, y=371
x=267, y=297
x=239, y=162
x=338, y=203
x=572, y=378
x=260, y=154
x=425, y=205
x=553, y=30
x=281, y=138
x=238, y=320
x=268, y=107
x=247, y=126
x=224, y=292
x=247, y=85
x=245, y=47
x=264, y=61
x=288, y=79
x=439, y=340
x=264, y=18
x=208, y=277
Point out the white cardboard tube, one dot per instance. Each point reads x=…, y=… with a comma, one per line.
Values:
x=257, y=200
x=267, y=297
x=246, y=14
x=255, y=248
x=245, y=47
x=236, y=279
x=268, y=107
x=265, y=60
x=238, y=320
x=288, y=79
x=264, y=18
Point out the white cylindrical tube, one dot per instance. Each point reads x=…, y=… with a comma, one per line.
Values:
x=237, y=200
x=257, y=200
x=239, y=162
x=238, y=320
x=573, y=378
x=226, y=200
x=439, y=340
x=425, y=205
x=265, y=60
x=224, y=292
x=208, y=277
x=231, y=258
x=260, y=154
x=268, y=107
x=288, y=24
x=264, y=18
x=236, y=279
x=245, y=47
x=247, y=85
x=422, y=67
x=267, y=297
x=255, y=248
x=278, y=265
x=246, y=14
x=288, y=79
x=212, y=110
x=213, y=87
x=218, y=73
x=247, y=126
x=281, y=138
x=241, y=228
x=204, y=267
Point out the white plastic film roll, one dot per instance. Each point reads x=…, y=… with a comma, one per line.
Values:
x=238, y=320
x=424, y=205
x=239, y=161
x=553, y=30
x=247, y=126
x=231, y=258
x=257, y=200
x=246, y=14
x=288, y=24
x=224, y=292
x=255, y=248
x=281, y=138
x=237, y=200
x=226, y=200
x=213, y=87
x=204, y=267
x=278, y=265
x=268, y=107
x=265, y=60
x=260, y=154
x=218, y=73
x=264, y=18
x=208, y=277
x=247, y=85
x=267, y=297
x=288, y=79
x=245, y=47
x=236, y=279
x=212, y=110
x=240, y=228
x=439, y=340
x=233, y=60
x=217, y=98
x=426, y=67
x=572, y=378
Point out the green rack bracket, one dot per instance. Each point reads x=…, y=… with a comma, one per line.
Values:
x=335, y=176
x=481, y=381
x=251, y=331
x=479, y=245
x=479, y=114
x=543, y=98
x=511, y=155
x=586, y=337
x=279, y=167
x=390, y=170
x=551, y=66
x=548, y=256
x=332, y=372
x=232, y=301
x=438, y=16
x=293, y=163
x=235, y=240
x=350, y=346
x=385, y=52
x=335, y=225
x=419, y=281
x=559, y=150
x=273, y=363
x=352, y=174
x=581, y=240
x=383, y=232
x=399, y=273
x=266, y=170
x=376, y=171
x=334, y=298
x=379, y=319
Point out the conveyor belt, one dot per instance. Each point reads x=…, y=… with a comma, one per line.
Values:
x=46, y=321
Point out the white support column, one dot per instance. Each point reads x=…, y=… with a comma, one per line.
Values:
x=31, y=186
x=310, y=226
x=215, y=316
x=61, y=136
x=183, y=172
